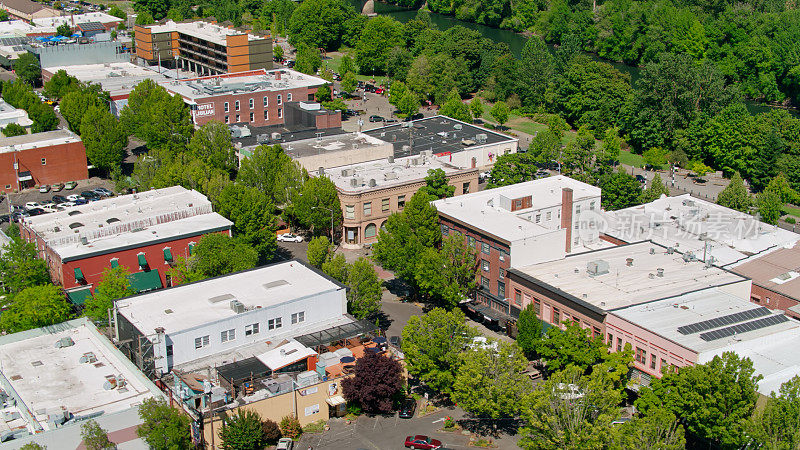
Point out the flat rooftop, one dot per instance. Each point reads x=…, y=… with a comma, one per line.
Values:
x=253, y=81
x=255, y=136
x=75, y=19
x=379, y=174
x=778, y=270
x=204, y=30
x=702, y=321
x=624, y=285
x=487, y=211
x=37, y=140
x=439, y=134
x=126, y=220
x=48, y=379
x=208, y=301
x=691, y=224
x=330, y=144
x=118, y=78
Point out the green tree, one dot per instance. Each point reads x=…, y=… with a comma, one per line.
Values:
x=514, y=168
x=776, y=426
x=273, y=172
x=145, y=18
x=654, y=192
x=659, y=429
x=319, y=250
x=182, y=272
x=500, y=112
x=164, y=427
x=364, y=295
x=612, y=145
x=95, y=437
x=64, y=30
x=317, y=208
x=397, y=63
x=436, y=185
x=735, y=195
x=476, y=107
x=432, y=344
x=490, y=382
x=379, y=36
x=27, y=68
x=455, y=108
x=770, y=206
x=535, y=72
x=242, y=431
x=529, y=331
x=448, y=276
x=620, y=190
x=104, y=138
x=308, y=59
x=115, y=11
x=277, y=52
x=337, y=268
x=61, y=84
x=20, y=268
x=321, y=23
x=217, y=254
x=212, y=144
x=408, y=104
x=14, y=129
x=713, y=400
x=43, y=116
x=113, y=285
x=349, y=82
x=156, y=117
x=571, y=346
x=656, y=157
x=75, y=105
x=347, y=65
x=323, y=93
x=35, y=307
x=32, y=445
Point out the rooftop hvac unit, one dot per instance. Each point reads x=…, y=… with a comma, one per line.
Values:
x=354, y=182
x=481, y=137
x=321, y=171
x=688, y=256
x=89, y=358
x=660, y=272
x=458, y=126
x=262, y=138
x=276, y=136
x=390, y=176
x=390, y=159
x=65, y=342
x=237, y=306
x=427, y=153
x=406, y=149
x=597, y=267
x=307, y=378
x=372, y=182
x=414, y=161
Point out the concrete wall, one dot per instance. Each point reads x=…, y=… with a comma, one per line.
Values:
x=540, y=248
x=483, y=156
x=63, y=162
x=326, y=159
x=773, y=300
x=74, y=54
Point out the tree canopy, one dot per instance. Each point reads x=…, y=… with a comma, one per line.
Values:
x=163, y=427
x=376, y=383
x=366, y=290
x=35, y=307
x=113, y=285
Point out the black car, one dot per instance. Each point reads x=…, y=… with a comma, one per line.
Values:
x=36, y=211
x=395, y=341
x=375, y=118
x=641, y=179
x=407, y=408
x=89, y=195
x=58, y=199
x=18, y=216
x=416, y=116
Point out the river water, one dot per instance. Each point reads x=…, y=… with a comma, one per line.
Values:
x=515, y=41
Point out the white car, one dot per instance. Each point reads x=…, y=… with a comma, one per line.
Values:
x=67, y=204
x=285, y=443
x=32, y=205
x=289, y=237
x=52, y=208
x=73, y=197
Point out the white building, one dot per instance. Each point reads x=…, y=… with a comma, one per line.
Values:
x=9, y=114
x=220, y=315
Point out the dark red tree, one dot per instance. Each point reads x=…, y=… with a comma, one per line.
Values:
x=376, y=381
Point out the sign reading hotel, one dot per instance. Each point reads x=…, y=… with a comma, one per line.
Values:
x=206, y=109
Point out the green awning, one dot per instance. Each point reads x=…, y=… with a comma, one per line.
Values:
x=167, y=254
x=79, y=296
x=191, y=248
x=114, y=263
x=78, y=274
x=145, y=281
x=142, y=260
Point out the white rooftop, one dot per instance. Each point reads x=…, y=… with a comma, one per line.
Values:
x=9, y=114
x=37, y=140
x=250, y=82
x=48, y=379
x=75, y=19
x=690, y=224
x=16, y=28
x=487, y=210
x=118, y=78
x=387, y=174
x=127, y=220
x=203, y=30
x=285, y=354
x=625, y=285
x=771, y=348
x=209, y=300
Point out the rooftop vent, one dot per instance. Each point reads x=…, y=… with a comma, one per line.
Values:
x=112, y=220
x=74, y=225
x=652, y=251
x=629, y=262
x=237, y=306
x=64, y=342
x=458, y=126
x=372, y=182
x=660, y=272
x=220, y=298
x=37, y=363
x=390, y=159
x=88, y=357
x=597, y=267
x=73, y=213
x=670, y=250
x=274, y=284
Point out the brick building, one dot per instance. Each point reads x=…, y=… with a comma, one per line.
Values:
x=202, y=47
x=776, y=279
x=41, y=158
x=258, y=97
x=145, y=233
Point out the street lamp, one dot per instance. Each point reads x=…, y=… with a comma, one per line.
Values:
x=331, y=211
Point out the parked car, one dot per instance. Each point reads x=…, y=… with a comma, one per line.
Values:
x=57, y=187
x=408, y=408
x=74, y=197
x=379, y=90
x=68, y=204
x=18, y=216
x=36, y=212
x=90, y=195
x=285, y=444
x=289, y=237
x=59, y=199
x=391, y=120
x=421, y=442
x=103, y=192
x=51, y=208
x=375, y=118
x=44, y=188
x=415, y=116
x=70, y=185
x=641, y=179
x=31, y=205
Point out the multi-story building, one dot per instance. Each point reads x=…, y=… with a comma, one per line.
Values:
x=519, y=225
x=257, y=97
x=145, y=232
x=203, y=48
x=776, y=278
x=41, y=158
x=27, y=10
x=55, y=378
x=78, y=22
x=9, y=115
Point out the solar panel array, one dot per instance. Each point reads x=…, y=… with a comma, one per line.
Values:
x=744, y=327
x=724, y=320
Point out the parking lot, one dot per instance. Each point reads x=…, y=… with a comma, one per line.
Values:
x=33, y=195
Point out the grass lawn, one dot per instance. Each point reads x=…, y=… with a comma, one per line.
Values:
x=631, y=159
x=335, y=60
x=792, y=210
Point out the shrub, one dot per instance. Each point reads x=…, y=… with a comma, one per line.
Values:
x=791, y=220
x=290, y=427
x=272, y=432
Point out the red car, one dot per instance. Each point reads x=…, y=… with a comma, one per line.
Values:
x=421, y=442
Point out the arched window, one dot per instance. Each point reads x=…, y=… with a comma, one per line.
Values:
x=370, y=231
x=383, y=225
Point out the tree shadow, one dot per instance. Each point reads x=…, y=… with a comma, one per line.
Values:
x=488, y=427
x=398, y=287
x=384, y=321
x=282, y=254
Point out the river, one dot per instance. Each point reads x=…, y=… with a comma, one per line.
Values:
x=515, y=41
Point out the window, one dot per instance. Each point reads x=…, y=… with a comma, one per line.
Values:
x=251, y=329
x=610, y=339
x=201, y=342
x=227, y=119
x=349, y=211
x=280, y=99
x=465, y=188
x=237, y=105
x=368, y=208
x=595, y=332
x=503, y=255
x=252, y=117
x=485, y=248
x=252, y=103
x=652, y=361
x=385, y=205
x=280, y=113
x=577, y=209
x=538, y=218
x=44, y=161
x=266, y=115
x=169, y=350
x=502, y=273
x=274, y=323
x=556, y=316
x=517, y=204
x=445, y=230
x=401, y=201
x=298, y=317
x=485, y=265
x=289, y=97
x=619, y=344
x=549, y=215
x=663, y=363
x=485, y=282
x=370, y=231
x=537, y=307
x=517, y=297
x=227, y=107
x=266, y=101
x=591, y=206
x=471, y=241
x=227, y=335
x=238, y=119
x=313, y=409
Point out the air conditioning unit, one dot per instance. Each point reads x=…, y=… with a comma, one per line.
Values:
x=276, y=136
x=237, y=306
x=372, y=182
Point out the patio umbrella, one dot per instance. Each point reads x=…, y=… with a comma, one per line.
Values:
x=373, y=350
x=379, y=340
x=347, y=359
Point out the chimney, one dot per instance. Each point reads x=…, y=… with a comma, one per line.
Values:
x=278, y=76
x=566, y=216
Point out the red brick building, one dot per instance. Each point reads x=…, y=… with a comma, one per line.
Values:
x=42, y=158
x=146, y=233
x=776, y=279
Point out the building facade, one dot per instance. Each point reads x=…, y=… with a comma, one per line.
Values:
x=776, y=278
x=203, y=48
x=42, y=158
x=27, y=10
